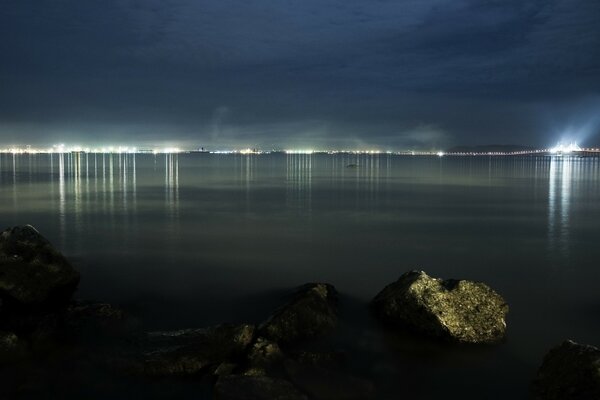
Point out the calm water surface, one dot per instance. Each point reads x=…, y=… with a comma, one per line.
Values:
x=195, y=239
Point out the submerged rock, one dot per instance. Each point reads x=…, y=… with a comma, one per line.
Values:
x=309, y=314
x=242, y=387
x=570, y=371
x=191, y=351
x=32, y=272
x=459, y=310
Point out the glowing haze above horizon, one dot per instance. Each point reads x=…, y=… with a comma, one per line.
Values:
x=322, y=74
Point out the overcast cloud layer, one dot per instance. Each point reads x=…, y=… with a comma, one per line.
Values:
x=302, y=73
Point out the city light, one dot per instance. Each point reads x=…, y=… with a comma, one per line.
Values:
x=558, y=150
x=565, y=149
x=299, y=151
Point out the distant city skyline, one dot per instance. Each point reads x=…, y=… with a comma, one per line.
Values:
x=561, y=148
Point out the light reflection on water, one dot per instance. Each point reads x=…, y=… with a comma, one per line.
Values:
x=76, y=184
x=179, y=235
x=559, y=197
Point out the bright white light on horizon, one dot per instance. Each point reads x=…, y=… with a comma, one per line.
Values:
x=440, y=154
x=299, y=151
x=565, y=149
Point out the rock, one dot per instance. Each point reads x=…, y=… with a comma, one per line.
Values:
x=309, y=314
x=263, y=356
x=11, y=347
x=191, y=351
x=570, y=371
x=458, y=310
x=32, y=272
x=225, y=368
x=323, y=383
x=240, y=387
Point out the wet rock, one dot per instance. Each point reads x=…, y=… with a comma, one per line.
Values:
x=192, y=351
x=322, y=378
x=32, y=272
x=309, y=314
x=458, y=310
x=240, y=387
x=570, y=371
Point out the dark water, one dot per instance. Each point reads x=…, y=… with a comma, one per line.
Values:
x=197, y=239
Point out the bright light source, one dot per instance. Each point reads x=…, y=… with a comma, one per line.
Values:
x=440, y=154
x=565, y=149
x=299, y=151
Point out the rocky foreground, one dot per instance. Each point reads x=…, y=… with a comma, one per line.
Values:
x=275, y=359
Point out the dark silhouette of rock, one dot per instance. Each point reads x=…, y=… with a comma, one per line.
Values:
x=570, y=371
x=458, y=310
x=242, y=387
x=192, y=351
x=312, y=312
x=225, y=368
x=32, y=272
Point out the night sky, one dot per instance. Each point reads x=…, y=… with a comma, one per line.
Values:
x=303, y=73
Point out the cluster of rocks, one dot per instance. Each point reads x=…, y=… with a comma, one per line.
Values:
x=265, y=361
x=271, y=360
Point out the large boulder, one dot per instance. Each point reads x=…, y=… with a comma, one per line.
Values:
x=458, y=310
x=32, y=272
x=570, y=371
x=312, y=312
x=243, y=387
x=192, y=351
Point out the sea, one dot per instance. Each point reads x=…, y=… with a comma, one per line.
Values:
x=193, y=240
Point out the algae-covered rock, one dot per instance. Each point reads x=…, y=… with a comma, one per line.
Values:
x=309, y=314
x=32, y=272
x=242, y=387
x=458, y=310
x=191, y=351
x=570, y=371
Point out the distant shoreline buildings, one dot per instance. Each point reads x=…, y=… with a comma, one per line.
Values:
x=558, y=150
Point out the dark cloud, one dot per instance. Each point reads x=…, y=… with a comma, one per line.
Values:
x=332, y=73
